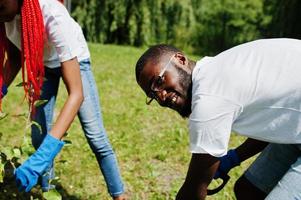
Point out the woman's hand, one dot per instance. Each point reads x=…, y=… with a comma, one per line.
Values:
x=121, y=197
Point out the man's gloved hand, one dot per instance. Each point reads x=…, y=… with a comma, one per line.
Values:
x=227, y=162
x=3, y=91
x=28, y=173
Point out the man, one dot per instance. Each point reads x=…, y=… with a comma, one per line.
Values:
x=253, y=89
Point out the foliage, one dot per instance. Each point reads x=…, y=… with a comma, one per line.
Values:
x=284, y=17
x=198, y=26
x=134, y=22
x=226, y=23
x=12, y=156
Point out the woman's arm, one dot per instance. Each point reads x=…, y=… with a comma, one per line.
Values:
x=72, y=79
x=28, y=173
x=12, y=67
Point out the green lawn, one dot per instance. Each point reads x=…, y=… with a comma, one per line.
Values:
x=151, y=143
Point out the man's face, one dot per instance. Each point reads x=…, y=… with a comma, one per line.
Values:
x=168, y=82
x=8, y=10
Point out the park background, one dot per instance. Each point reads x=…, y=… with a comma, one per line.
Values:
x=151, y=143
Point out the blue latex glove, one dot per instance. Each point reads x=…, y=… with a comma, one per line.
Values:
x=3, y=91
x=227, y=162
x=28, y=173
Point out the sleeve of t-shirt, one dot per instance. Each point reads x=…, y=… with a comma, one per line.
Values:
x=59, y=32
x=210, y=124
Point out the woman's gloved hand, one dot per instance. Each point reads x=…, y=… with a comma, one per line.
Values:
x=28, y=173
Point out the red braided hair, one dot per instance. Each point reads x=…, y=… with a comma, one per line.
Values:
x=3, y=46
x=32, y=42
x=32, y=29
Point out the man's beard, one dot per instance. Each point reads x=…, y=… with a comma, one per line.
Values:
x=186, y=83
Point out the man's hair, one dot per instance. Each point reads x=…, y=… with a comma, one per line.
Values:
x=153, y=54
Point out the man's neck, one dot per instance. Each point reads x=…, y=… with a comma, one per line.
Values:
x=191, y=65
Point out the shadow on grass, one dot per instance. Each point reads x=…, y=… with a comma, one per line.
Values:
x=9, y=191
x=65, y=194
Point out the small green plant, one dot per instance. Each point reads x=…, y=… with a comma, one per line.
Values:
x=12, y=156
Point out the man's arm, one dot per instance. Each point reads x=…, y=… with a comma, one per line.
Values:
x=203, y=166
x=234, y=157
x=250, y=148
x=12, y=67
x=201, y=170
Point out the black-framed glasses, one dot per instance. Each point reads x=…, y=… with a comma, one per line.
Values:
x=157, y=84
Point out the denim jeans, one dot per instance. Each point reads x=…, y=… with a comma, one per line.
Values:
x=91, y=120
x=277, y=172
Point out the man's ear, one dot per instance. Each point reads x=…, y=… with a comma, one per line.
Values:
x=181, y=58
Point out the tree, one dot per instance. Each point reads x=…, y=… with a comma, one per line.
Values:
x=284, y=18
x=222, y=24
x=199, y=26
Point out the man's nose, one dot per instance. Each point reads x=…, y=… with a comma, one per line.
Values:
x=161, y=95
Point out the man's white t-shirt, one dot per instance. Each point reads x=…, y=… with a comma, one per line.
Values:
x=65, y=39
x=253, y=89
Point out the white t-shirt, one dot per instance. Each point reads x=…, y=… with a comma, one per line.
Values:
x=253, y=89
x=65, y=39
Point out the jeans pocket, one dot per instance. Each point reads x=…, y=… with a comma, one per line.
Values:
x=85, y=64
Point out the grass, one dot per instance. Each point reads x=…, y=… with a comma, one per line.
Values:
x=151, y=143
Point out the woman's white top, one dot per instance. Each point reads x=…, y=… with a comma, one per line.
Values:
x=64, y=37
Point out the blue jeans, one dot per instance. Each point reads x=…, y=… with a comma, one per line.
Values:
x=277, y=172
x=91, y=120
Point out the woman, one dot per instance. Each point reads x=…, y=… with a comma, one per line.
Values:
x=42, y=38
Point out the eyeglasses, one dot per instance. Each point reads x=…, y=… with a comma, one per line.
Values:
x=157, y=84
